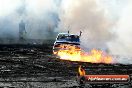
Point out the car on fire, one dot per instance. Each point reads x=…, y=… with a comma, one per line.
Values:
x=66, y=39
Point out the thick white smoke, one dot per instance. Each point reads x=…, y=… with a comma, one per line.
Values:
x=86, y=16
x=9, y=18
x=8, y=6
x=40, y=16
x=122, y=42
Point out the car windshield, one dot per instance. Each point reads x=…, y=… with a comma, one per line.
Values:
x=72, y=38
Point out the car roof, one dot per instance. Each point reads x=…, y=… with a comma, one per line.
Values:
x=66, y=34
x=63, y=34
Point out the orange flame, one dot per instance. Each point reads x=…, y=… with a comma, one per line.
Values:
x=81, y=71
x=73, y=53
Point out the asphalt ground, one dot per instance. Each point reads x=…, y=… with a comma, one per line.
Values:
x=34, y=66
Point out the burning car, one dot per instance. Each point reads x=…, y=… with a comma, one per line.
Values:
x=67, y=47
x=65, y=40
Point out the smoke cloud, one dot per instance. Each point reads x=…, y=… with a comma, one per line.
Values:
x=121, y=44
x=86, y=16
x=45, y=17
x=8, y=18
x=40, y=16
